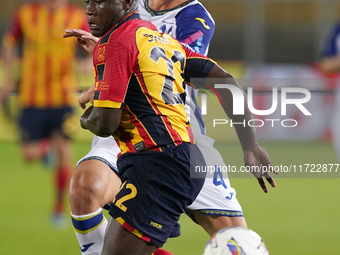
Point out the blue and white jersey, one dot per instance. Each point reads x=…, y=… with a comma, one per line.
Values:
x=197, y=35
x=332, y=46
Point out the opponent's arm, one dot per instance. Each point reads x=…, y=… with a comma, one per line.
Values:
x=245, y=134
x=253, y=154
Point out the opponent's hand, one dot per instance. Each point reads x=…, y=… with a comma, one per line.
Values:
x=85, y=97
x=85, y=39
x=258, y=161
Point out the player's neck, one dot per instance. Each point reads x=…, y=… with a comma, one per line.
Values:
x=160, y=5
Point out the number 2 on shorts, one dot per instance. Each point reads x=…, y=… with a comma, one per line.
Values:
x=120, y=201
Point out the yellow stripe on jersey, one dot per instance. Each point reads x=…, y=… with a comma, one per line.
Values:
x=107, y=103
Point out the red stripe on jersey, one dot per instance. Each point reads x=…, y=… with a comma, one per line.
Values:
x=191, y=136
x=35, y=8
x=126, y=138
x=142, y=131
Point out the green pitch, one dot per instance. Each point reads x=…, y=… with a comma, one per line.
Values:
x=300, y=216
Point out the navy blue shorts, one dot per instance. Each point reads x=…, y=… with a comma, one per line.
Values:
x=156, y=188
x=36, y=124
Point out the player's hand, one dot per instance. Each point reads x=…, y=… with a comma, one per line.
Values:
x=85, y=97
x=258, y=161
x=85, y=39
x=85, y=116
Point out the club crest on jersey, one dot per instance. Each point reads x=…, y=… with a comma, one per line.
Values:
x=101, y=56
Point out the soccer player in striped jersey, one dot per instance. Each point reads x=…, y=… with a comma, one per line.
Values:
x=94, y=183
x=138, y=99
x=47, y=82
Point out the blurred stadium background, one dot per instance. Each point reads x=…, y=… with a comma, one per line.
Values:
x=264, y=43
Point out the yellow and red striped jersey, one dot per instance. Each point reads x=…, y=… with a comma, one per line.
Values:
x=47, y=69
x=141, y=71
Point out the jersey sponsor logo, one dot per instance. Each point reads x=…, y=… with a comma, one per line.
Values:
x=85, y=247
x=158, y=39
x=140, y=146
x=165, y=29
x=157, y=225
x=203, y=23
x=230, y=196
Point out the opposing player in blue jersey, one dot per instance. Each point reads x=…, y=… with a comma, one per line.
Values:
x=94, y=184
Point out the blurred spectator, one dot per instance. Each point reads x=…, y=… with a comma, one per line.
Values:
x=330, y=63
x=46, y=84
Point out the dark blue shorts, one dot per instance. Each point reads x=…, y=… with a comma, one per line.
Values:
x=36, y=124
x=156, y=189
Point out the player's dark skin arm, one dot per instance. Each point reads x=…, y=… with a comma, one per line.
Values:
x=101, y=121
x=254, y=155
x=245, y=134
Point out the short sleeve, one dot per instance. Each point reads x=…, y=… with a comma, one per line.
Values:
x=114, y=62
x=200, y=31
x=197, y=65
